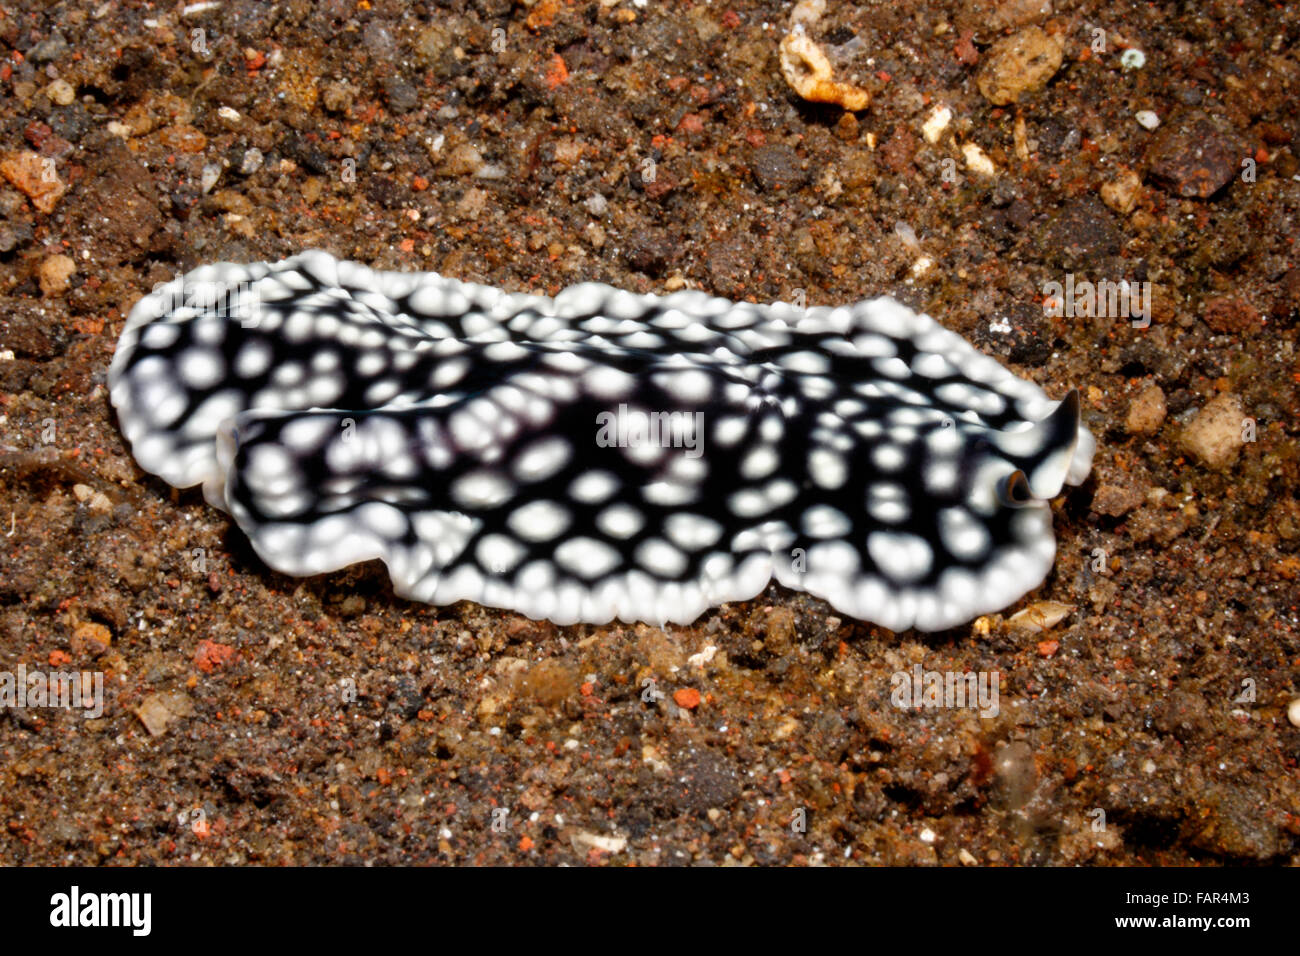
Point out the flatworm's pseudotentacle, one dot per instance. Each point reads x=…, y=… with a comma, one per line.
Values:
x=600, y=454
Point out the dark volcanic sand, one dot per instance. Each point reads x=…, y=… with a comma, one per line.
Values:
x=508, y=143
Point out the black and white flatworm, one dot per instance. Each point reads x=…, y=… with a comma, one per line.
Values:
x=461, y=434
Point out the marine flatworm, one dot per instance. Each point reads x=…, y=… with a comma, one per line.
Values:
x=502, y=448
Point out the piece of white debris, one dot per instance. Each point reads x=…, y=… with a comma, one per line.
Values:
x=1147, y=119
x=978, y=161
x=808, y=71
x=1132, y=59
x=936, y=123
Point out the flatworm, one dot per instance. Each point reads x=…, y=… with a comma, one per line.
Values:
x=502, y=447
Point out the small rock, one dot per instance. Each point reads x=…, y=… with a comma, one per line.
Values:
x=995, y=16
x=730, y=266
x=432, y=44
x=402, y=96
x=352, y=605
x=1147, y=413
x=936, y=123
x=780, y=630
x=846, y=128
x=337, y=98
x=687, y=698
x=13, y=235
x=183, y=138
x=596, y=204
x=378, y=40
x=211, y=655
x=899, y=150
x=61, y=93
x=140, y=118
x=777, y=167
x=36, y=177
x=158, y=711
x=252, y=161
x=1195, y=156
x=1226, y=314
x=55, y=274
x=978, y=161
x=51, y=48
x=91, y=639
x=568, y=151
x=649, y=252
x=1231, y=822
x=807, y=12
x=1293, y=712
x=464, y=160
x=1082, y=235
x=1288, y=294
x=1121, y=193
x=472, y=204
x=1020, y=64
x=11, y=204
x=1115, y=501
x=1214, y=436
x=209, y=177
x=25, y=328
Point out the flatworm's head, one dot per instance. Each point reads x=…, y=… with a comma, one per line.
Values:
x=599, y=454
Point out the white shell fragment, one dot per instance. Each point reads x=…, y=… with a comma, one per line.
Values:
x=598, y=454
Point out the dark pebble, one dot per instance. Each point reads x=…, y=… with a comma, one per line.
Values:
x=778, y=167
x=51, y=48
x=28, y=330
x=402, y=96
x=1081, y=236
x=649, y=252
x=13, y=235
x=1194, y=156
x=1226, y=315
x=730, y=267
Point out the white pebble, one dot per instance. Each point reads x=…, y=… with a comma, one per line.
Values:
x=1133, y=59
x=211, y=173
x=937, y=122
x=978, y=161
